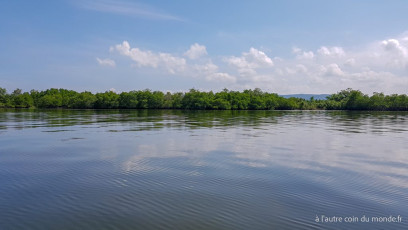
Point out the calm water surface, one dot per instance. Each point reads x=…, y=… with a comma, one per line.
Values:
x=202, y=169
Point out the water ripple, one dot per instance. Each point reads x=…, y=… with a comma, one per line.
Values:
x=200, y=169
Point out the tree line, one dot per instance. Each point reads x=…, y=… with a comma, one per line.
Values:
x=256, y=99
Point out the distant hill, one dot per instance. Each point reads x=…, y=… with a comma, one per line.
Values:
x=307, y=96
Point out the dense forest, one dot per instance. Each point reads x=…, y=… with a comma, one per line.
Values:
x=256, y=99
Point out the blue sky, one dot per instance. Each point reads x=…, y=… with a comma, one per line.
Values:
x=315, y=46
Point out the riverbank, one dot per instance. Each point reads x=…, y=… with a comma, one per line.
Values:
x=256, y=99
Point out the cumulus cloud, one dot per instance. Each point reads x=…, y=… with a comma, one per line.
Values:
x=332, y=70
x=378, y=66
x=395, y=52
x=300, y=54
x=393, y=45
x=248, y=64
x=211, y=73
x=334, y=51
x=258, y=58
x=148, y=58
x=174, y=64
x=196, y=51
x=142, y=58
x=106, y=62
x=250, y=60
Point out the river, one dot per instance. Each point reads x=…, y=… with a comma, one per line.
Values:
x=169, y=169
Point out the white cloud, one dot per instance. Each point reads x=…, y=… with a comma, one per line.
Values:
x=238, y=62
x=393, y=45
x=173, y=64
x=396, y=54
x=126, y=8
x=332, y=70
x=350, y=62
x=290, y=70
x=248, y=64
x=223, y=77
x=247, y=72
x=300, y=54
x=148, y=58
x=206, y=68
x=301, y=68
x=259, y=58
x=142, y=58
x=211, y=73
x=251, y=60
x=305, y=55
x=196, y=51
x=106, y=62
x=334, y=51
x=380, y=66
x=296, y=50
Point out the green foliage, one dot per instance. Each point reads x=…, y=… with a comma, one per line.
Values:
x=107, y=100
x=22, y=100
x=397, y=102
x=50, y=101
x=176, y=101
x=288, y=103
x=195, y=99
x=128, y=100
x=256, y=99
x=156, y=100
x=143, y=98
x=239, y=101
x=377, y=102
x=3, y=98
x=17, y=99
x=84, y=100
